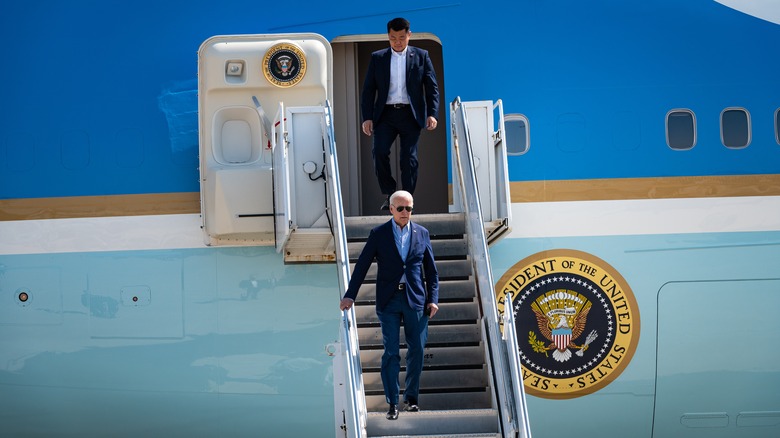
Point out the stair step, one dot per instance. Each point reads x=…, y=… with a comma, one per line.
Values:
x=468, y=356
x=449, y=290
x=460, y=334
x=447, y=312
x=447, y=269
x=433, y=380
x=447, y=224
x=441, y=423
x=437, y=401
x=442, y=248
x=457, y=435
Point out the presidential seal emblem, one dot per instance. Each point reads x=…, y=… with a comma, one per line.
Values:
x=284, y=65
x=576, y=318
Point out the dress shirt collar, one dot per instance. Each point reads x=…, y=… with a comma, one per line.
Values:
x=403, y=53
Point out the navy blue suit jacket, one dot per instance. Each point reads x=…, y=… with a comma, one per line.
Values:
x=421, y=85
x=422, y=278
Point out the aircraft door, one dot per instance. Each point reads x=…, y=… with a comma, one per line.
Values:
x=476, y=128
x=238, y=76
x=282, y=219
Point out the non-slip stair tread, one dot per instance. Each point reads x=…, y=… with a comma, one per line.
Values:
x=476, y=399
x=440, y=224
x=466, y=311
x=446, y=413
x=457, y=334
x=459, y=435
x=457, y=356
x=435, y=381
x=451, y=422
x=442, y=248
x=449, y=291
x=448, y=269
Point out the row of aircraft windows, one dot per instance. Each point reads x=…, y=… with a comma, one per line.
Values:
x=735, y=130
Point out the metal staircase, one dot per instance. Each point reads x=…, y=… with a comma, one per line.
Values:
x=456, y=395
x=471, y=384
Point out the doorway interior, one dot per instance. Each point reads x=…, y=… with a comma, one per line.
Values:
x=360, y=190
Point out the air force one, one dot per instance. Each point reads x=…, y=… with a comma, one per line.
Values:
x=184, y=188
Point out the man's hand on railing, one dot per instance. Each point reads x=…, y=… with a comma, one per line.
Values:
x=346, y=303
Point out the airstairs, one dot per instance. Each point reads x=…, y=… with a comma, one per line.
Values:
x=455, y=391
x=471, y=384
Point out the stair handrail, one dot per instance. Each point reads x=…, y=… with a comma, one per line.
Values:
x=355, y=417
x=514, y=421
x=510, y=345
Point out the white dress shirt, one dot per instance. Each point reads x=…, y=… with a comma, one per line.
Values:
x=397, y=92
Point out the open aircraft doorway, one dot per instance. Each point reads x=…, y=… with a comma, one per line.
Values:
x=361, y=193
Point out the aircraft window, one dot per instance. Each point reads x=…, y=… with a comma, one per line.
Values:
x=735, y=128
x=518, y=139
x=680, y=129
x=777, y=126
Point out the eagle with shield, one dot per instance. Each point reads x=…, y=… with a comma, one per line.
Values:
x=561, y=316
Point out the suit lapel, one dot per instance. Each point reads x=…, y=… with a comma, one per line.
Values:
x=412, y=236
x=388, y=55
x=410, y=55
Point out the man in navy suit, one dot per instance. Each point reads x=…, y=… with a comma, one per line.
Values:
x=400, y=97
x=407, y=289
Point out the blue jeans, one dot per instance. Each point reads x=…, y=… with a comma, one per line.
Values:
x=416, y=331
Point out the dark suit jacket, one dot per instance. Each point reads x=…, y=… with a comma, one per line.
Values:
x=419, y=261
x=421, y=85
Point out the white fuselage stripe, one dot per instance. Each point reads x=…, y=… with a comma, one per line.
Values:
x=530, y=220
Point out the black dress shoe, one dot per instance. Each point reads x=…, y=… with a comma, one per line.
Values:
x=392, y=413
x=411, y=407
x=386, y=204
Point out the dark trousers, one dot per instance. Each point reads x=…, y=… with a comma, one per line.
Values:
x=396, y=123
x=416, y=333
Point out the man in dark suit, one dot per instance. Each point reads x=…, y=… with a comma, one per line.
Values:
x=400, y=97
x=407, y=289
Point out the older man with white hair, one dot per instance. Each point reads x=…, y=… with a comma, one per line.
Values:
x=407, y=290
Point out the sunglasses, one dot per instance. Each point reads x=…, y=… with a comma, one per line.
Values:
x=404, y=207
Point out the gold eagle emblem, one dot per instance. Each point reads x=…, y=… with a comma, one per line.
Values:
x=561, y=316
